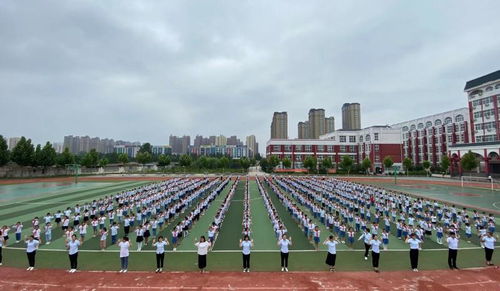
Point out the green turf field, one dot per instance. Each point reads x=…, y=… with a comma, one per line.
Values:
x=226, y=253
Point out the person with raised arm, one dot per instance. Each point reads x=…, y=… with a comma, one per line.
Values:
x=202, y=246
x=160, y=252
x=246, y=244
x=72, y=246
x=331, y=256
x=284, y=243
x=414, y=250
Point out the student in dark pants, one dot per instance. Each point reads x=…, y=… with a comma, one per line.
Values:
x=72, y=246
x=160, y=253
x=489, y=246
x=414, y=248
x=452, y=250
x=31, y=247
x=246, y=244
x=284, y=243
x=375, y=245
x=366, y=237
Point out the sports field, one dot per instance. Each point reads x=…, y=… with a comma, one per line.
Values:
x=37, y=199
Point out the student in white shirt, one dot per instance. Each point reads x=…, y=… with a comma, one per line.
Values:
x=284, y=243
x=1, y=246
x=366, y=237
x=375, y=245
x=31, y=247
x=246, y=244
x=414, y=248
x=331, y=256
x=452, y=250
x=160, y=253
x=72, y=247
x=124, y=245
x=489, y=246
x=202, y=246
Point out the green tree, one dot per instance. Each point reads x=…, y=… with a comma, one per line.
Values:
x=366, y=164
x=48, y=156
x=311, y=163
x=212, y=163
x=327, y=163
x=163, y=160
x=23, y=153
x=144, y=157
x=273, y=161
x=287, y=163
x=224, y=162
x=469, y=162
x=90, y=159
x=123, y=158
x=427, y=165
x=185, y=160
x=65, y=158
x=445, y=164
x=146, y=148
x=265, y=165
x=346, y=164
x=407, y=163
x=245, y=163
x=4, y=152
x=103, y=162
x=37, y=157
x=388, y=162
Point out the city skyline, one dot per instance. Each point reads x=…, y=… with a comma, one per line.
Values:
x=184, y=80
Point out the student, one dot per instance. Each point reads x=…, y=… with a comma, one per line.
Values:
x=72, y=246
x=366, y=237
x=452, y=250
x=350, y=237
x=202, y=246
x=19, y=229
x=102, y=240
x=375, y=245
x=385, y=239
x=489, y=246
x=316, y=235
x=1, y=246
x=114, y=232
x=331, y=256
x=31, y=247
x=48, y=233
x=139, y=231
x=124, y=245
x=284, y=243
x=246, y=244
x=82, y=229
x=414, y=248
x=160, y=252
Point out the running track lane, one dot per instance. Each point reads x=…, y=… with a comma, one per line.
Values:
x=471, y=279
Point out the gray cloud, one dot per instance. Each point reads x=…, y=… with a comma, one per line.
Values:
x=143, y=70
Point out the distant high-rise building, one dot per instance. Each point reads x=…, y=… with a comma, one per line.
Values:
x=179, y=144
x=351, y=116
x=83, y=144
x=13, y=142
x=279, y=126
x=221, y=140
x=252, y=145
x=316, y=123
x=303, y=129
x=58, y=147
x=234, y=140
x=329, y=124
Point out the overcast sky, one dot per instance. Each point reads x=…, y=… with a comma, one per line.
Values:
x=142, y=70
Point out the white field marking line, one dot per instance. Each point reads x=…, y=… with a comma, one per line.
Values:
x=470, y=283
x=239, y=251
x=495, y=204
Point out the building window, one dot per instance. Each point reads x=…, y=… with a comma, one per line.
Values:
x=405, y=128
x=288, y=148
x=298, y=148
x=342, y=148
x=448, y=120
x=437, y=122
x=276, y=148
x=459, y=118
x=319, y=148
x=352, y=149
x=428, y=124
x=449, y=128
x=462, y=127
x=376, y=147
x=367, y=138
x=352, y=138
x=420, y=125
x=329, y=149
x=342, y=138
x=375, y=136
x=360, y=138
x=307, y=148
x=413, y=127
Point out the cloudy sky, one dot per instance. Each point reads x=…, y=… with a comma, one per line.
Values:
x=142, y=70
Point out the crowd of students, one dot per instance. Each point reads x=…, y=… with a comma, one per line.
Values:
x=345, y=209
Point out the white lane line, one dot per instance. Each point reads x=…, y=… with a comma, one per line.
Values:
x=495, y=204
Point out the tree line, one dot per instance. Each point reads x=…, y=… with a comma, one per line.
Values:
x=25, y=153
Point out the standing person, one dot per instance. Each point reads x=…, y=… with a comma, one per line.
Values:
x=160, y=252
x=489, y=246
x=104, y=237
x=72, y=246
x=246, y=244
x=375, y=245
x=331, y=256
x=414, y=248
x=31, y=247
x=139, y=231
x=452, y=250
x=366, y=237
x=284, y=243
x=202, y=246
x=1, y=246
x=124, y=245
x=316, y=237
